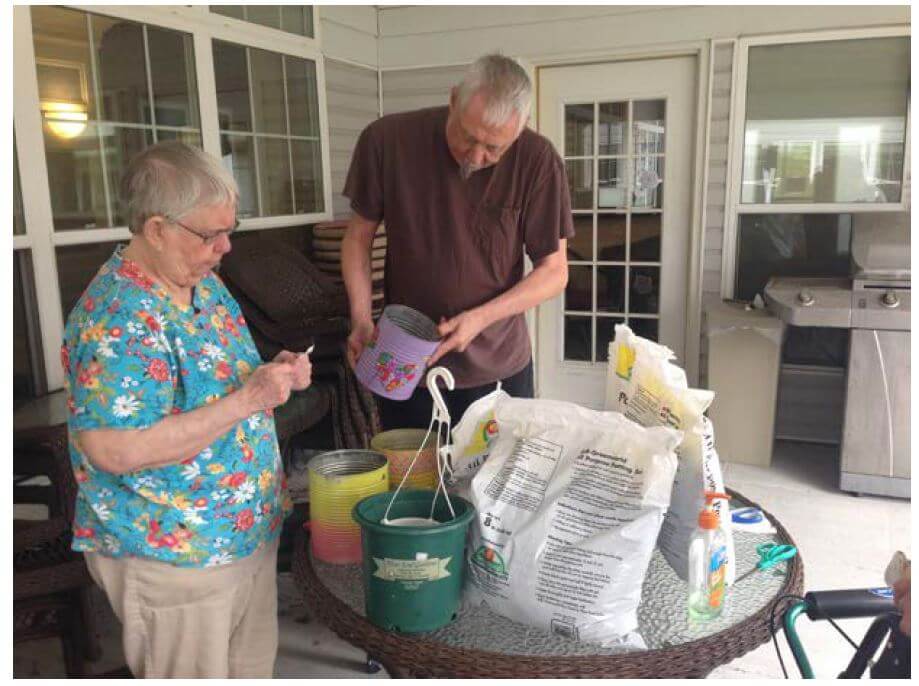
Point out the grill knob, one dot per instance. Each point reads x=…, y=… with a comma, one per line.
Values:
x=890, y=299
x=806, y=298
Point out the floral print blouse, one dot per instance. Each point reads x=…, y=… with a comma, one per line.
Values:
x=133, y=356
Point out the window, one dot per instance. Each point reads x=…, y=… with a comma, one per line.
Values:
x=790, y=245
x=269, y=129
x=826, y=121
x=108, y=88
x=28, y=367
x=296, y=19
x=819, y=138
x=76, y=267
x=614, y=158
x=110, y=83
x=28, y=372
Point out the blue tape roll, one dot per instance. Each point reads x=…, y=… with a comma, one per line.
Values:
x=747, y=515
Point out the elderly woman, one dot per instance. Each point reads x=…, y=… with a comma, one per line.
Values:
x=181, y=489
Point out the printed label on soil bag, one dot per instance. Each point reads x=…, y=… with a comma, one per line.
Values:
x=523, y=479
x=569, y=505
x=604, y=494
x=493, y=571
x=472, y=441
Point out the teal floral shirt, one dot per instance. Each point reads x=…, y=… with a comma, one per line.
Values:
x=132, y=356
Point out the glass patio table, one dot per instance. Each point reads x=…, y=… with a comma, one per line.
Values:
x=481, y=643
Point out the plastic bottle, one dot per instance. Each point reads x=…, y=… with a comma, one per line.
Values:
x=707, y=564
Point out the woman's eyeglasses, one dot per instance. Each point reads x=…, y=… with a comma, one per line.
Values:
x=206, y=238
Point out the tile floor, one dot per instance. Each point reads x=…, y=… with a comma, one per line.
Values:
x=846, y=542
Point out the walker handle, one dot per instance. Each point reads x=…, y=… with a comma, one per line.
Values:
x=860, y=602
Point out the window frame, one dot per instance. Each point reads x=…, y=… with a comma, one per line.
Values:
x=244, y=23
x=733, y=205
x=204, y=27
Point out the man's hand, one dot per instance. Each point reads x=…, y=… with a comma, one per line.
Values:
x=901, y=597
x=302, y=368
x=458, y=332
x=268, y=386
x=547, y=280
x=358, y=340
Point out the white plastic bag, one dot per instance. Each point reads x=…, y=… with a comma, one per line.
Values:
x=474, y=435
x=645, y=385
x=568, y=506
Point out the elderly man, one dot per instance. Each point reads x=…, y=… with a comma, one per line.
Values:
x=463, y=191
x=181, y=488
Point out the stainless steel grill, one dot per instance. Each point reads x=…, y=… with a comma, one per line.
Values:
x=875, y=306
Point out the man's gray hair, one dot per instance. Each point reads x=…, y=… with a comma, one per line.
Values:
x=172, y=179
x=505, y=85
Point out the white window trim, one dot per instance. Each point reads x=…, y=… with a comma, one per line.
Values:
x=204, y=26
x=733, y=206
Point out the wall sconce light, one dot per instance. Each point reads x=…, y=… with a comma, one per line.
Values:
x=65, y=119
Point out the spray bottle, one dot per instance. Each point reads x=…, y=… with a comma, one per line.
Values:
x=707, y=564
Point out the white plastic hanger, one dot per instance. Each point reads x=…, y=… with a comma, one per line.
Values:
x=440, y=416
x=441, y=413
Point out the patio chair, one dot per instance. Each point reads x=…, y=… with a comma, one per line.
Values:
x=51, y=584
x=290, y=304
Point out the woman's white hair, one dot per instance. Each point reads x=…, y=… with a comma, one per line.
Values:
x=172, y=179
x=505, y=85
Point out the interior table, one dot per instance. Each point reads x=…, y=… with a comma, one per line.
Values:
x=483, y=644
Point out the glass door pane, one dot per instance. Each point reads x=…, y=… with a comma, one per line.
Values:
x=579, y=130
x=615, y=256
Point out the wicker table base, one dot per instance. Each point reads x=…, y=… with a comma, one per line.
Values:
x=482, y=644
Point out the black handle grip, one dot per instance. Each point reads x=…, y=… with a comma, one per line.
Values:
x=860, y=602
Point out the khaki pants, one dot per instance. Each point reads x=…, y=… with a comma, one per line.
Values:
x=195, y=622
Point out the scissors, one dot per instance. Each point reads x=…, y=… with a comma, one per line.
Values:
x=770, y=555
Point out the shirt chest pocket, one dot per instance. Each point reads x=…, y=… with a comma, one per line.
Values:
x=498, y=234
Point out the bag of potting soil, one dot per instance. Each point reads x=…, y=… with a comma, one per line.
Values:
x=568, y=507
x=646, y=386
x=473, y=437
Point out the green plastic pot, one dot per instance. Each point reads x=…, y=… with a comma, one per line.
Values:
x=413, y=575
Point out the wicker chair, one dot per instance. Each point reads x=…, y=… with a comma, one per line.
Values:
x=51, y=584
x=290, y=304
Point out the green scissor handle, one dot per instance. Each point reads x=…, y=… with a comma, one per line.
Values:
x=771, y=554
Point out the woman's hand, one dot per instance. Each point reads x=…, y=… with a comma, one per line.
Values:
x=267, y=387
x=302, y=374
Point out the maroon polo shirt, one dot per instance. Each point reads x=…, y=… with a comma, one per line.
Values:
x=454, y=244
